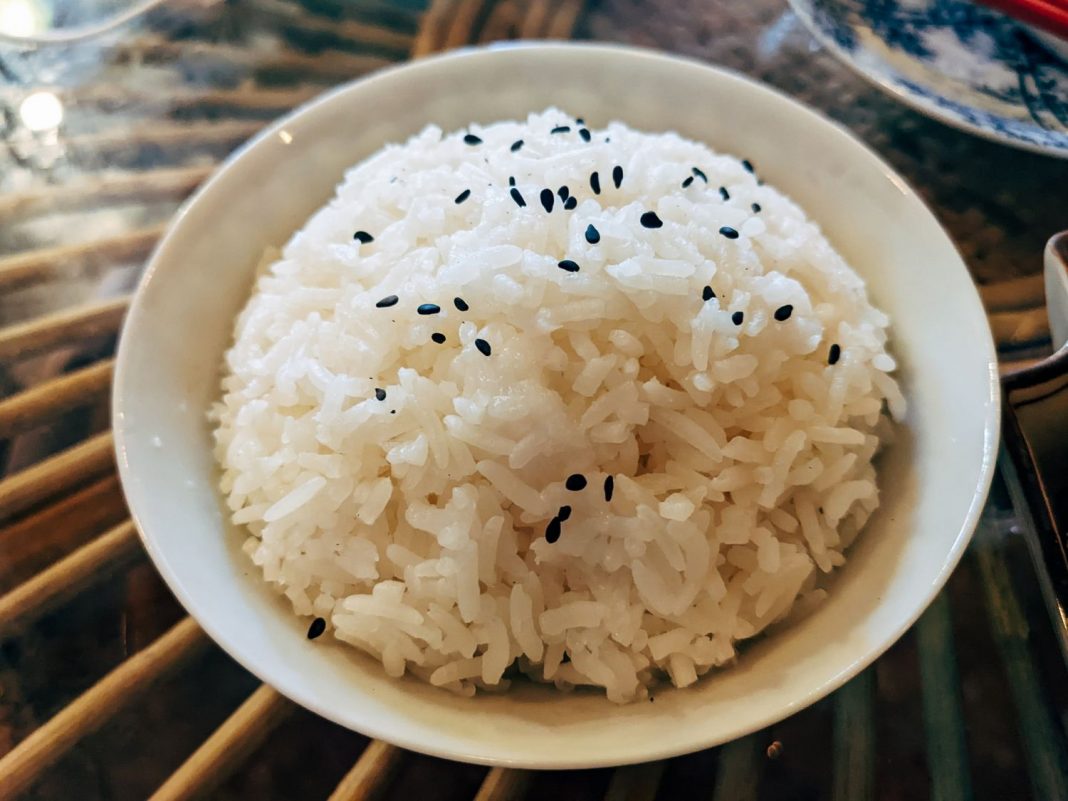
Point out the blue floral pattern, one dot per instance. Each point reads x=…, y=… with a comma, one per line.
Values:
x=955, y=60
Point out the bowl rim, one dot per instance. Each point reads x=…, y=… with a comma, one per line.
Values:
x=382, y=730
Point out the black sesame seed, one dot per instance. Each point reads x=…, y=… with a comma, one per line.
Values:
x=387, y=301
x=429, y=308
x=363, y=236
x=756, y=208
x=438, y=337
x=518, y=198
x=579, y=121
x=728, y=232
x=585, y=134
x=687, y=182
x=560, y=129
x=593, y=236
x=460, y=198
x=552, y=531
x=609, y=488
x=317, y=627
x=570, y=203
x=471, y=139
x=546, y=198
x=511, y=180
x=737, y=318
x=380, y=394
x=650, y=220
x=564, y=514
x=595, y=183
x=697, y=171
x=483, y=347
x=568, y=265
x=392, y=411
x=748, y=165
x=835, y=354
x=564, y=193
x=617, y=176
x=576, y=482
x=782, y=314
x=518, y=143
x=460, y=304
x=707, y=293
x=723, y=193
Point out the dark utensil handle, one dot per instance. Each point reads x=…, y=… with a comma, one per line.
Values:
x=1036, y=441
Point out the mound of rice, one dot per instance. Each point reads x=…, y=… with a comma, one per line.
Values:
x=595, y=426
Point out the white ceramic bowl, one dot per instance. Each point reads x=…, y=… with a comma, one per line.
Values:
x=934, y=480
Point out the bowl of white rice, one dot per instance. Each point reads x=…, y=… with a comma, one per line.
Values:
x=555, y=406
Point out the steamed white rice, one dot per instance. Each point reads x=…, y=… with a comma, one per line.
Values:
x=415, y=525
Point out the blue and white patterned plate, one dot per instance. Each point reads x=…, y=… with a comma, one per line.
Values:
x=956, y=61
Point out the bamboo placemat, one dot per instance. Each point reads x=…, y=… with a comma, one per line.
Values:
x=108, y=691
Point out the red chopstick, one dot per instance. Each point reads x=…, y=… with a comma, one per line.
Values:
x=1049, y=15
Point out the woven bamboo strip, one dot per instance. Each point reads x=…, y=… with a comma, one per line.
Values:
x=165, y=135
x=534, y=21
x=90, y=564
x=432, y=29
x=943, y=718
x=1039, y=729
x=248, y=98
x=400, y=16
x=92, y=193
x=854, y=740
x=1007, y=368
x=62, y=328
x=50, y=477
x=33, y=544
x=353, y=30
x=1017, y=293
x=1019, y=327
x=504, y=784
x=44, y=402
x=501, y=22
x=635, y=782
x=564, y=19
x=43, y=263
x=223, y=751
x=328, y=64
x=23, y=764
x=28, y=545
x=371, y=774
x=154, y=49
x=738, y=771
x=461, y=31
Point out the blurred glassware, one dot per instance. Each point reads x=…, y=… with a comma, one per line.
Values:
x=1046, y=15
x=40, y=23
